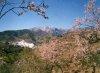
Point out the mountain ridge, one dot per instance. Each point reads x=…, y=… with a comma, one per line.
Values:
x=34, y=35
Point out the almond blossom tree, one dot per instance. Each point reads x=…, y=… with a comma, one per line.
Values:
x=58, y=53
x=83, y=29
x=89, y=23
x=87, y=28
x=22, y=6
x=52, y=52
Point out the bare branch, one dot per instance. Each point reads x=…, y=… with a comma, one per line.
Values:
x=11, y=10
x=3, y=7
x=24, y=6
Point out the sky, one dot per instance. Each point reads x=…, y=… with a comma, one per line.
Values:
x=61, y=13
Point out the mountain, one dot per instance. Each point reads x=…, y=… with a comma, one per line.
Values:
x=34, y=35
x=52, y=31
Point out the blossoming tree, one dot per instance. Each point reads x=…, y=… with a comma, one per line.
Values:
x=52, y=52
x=87, y=29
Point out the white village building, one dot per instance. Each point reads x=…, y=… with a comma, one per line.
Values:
x=23, y=43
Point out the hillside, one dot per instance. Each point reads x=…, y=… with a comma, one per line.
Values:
x=34, y=35
x=60, y=54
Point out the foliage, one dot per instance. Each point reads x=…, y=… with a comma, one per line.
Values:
x=30, y=63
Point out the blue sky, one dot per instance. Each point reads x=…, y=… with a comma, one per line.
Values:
x=61, y=13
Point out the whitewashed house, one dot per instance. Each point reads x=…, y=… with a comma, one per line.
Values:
x=23, y=43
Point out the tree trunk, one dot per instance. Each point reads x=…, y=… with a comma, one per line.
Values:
x=93, y=69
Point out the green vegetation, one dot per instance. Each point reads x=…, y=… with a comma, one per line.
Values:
x=8, y=55
x=21, y=60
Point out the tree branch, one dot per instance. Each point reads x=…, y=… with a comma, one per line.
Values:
x=11, y=10
x=3, y=7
